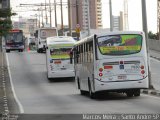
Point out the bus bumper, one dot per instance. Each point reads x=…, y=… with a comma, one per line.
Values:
x=61, y=74
x=120, y=86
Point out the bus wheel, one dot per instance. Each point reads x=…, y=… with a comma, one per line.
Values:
x=7, y=51
x=38, y=50
x=130, y=93
x=91, y=94
x=137, y=93
x=82, y=92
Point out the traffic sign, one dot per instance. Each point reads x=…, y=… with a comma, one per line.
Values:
x=78, y=28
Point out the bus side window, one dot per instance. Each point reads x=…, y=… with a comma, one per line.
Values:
x=79, y=56
x=87, y=51
x=81, y=53
x=91, y=51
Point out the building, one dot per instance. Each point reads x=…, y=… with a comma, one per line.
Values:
x=27, y=25
x=80, y=11
x=118, y=22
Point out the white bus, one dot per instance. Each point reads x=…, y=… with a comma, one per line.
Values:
x=41, y=35
x=58, y=57
x=115, y=61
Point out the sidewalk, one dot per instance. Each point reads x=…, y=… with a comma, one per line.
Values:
x=155, y=78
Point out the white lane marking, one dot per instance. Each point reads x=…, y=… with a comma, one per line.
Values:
x=12, y=86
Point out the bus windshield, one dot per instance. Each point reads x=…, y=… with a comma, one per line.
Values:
x=120, y=44
x=14, y=37
x=60, y=53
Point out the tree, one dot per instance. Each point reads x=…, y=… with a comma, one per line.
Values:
x=5, y=21
x=152, y=36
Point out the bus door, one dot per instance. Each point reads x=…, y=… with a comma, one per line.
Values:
x=121, y=58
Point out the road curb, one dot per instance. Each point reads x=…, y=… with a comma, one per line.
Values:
x=151, y=92
x=155, y=57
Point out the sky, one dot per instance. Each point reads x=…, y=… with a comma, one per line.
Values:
x=134, y=12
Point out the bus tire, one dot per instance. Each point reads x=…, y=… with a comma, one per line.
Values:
x=82, y=92
x=50, y=79
x=137, y=93
x=7, y=51
x=20, y=50
x=130, y=93
x=91, y=94
x=38, y=50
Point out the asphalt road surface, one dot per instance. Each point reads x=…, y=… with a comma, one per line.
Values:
x=37, y=95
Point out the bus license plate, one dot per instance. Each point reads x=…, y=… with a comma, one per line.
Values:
x=122, y=77
x=57, y=62
x=63, y=68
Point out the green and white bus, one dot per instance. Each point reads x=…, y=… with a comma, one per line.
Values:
x=58, y=57
x=115, y=61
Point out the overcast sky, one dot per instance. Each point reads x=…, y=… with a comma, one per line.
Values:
x=134, y=12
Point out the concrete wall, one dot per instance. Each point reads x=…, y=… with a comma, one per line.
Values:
x=154, y=44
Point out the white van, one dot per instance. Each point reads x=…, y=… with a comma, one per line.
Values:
x=41, y=35
x=58, y=57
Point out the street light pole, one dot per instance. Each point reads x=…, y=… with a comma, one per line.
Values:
x=50, y=11
x=55, y=12
x=46, y=12
x=69, y=18
x=61, y=17
x=111, y=17
x=145, y=29
x=77, y=12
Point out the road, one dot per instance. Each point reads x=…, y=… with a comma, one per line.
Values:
x=37, y=95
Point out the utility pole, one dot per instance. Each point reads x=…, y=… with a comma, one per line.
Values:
x=50, y=11
x=77, y=12
x=111, y=17
x=36, y=20
x=46, y=12
x=61, y=16
x=145, y=29
x=69, y=19
x=55, y=11
x=39, y=24
x=42, y=16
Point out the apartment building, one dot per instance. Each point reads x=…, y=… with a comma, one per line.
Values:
x=83, y=15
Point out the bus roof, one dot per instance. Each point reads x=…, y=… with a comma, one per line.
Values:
x=60, y=39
